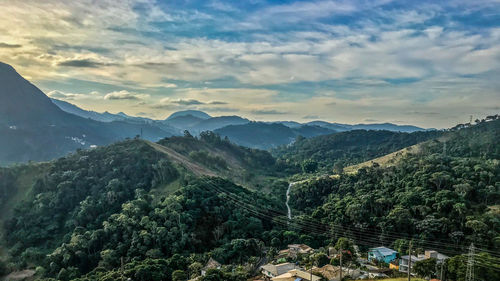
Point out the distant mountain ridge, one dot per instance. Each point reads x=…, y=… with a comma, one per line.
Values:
x=197, y=121
x=268, y=135
x=195, y=113
x=103, y=117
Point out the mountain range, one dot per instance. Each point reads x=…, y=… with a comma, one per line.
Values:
x=35, y=127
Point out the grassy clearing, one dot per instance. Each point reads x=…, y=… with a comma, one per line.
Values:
x=386, y=160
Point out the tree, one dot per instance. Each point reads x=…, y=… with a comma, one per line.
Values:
x=456, y=268
x=271, y=253
x=320, y=259
x=195, y=269
x=213, y=275
x=3, y=268
x=338, y=167
x=309, y=166
x=179, y=275
x=425, y=268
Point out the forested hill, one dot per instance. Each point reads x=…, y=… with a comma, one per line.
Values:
x=444, y=197
x=76, y=217
x=247, y=166
x=130, y=200
x=348, y=148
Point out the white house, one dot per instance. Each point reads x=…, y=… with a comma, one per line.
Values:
x=404, y=260
x=273, y=270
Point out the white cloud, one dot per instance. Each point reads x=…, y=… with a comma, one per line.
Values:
x=55, y=94
x=125, y=95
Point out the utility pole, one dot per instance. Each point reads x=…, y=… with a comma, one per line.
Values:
x=409, y=262
x=470, y=264
x=340, y=263
x=441, y=274
x=311, y=271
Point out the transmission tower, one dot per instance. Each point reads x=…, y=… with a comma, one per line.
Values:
x=470, y=264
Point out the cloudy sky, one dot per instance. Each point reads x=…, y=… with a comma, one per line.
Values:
x=428, y=63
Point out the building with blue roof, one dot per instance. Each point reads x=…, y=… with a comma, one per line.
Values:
x=382, y=254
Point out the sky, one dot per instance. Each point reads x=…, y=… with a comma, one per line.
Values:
x=426, y=63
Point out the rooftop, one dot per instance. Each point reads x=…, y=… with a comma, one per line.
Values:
x=384, y=251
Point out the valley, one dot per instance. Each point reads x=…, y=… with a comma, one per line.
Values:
x=139, y=199
x=225, y=198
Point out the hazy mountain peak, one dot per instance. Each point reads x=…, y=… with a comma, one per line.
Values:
x=194, y=113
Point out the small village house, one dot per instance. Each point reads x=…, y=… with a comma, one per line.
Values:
x=332, y=273
x=211, y=264
x=382, y=254
x=404, y=260
x=300, y=248
x=296, y=274
x=273, y=270
x=295, y=249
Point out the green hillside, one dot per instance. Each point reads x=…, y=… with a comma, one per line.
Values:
x=447, y=192
x=349, y=148
x=170, y=206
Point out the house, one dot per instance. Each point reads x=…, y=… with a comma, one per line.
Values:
x=404, y=260
x=332, y=273
x=211, y=264
x=300, y=248
x=382, y=254
x=434, y=254
x=272, y=270
x=296, y=274
x=294, y=249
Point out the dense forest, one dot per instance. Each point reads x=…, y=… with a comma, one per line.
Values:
x=133, y=210
x=348, y=148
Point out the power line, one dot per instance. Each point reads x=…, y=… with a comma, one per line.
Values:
x=313, y=228
x=321, y=229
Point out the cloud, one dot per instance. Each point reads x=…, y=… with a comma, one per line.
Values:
x=424, y=113
x=268, y=112
x=311, y=117
x=187, y=102
x=145, y=114
x=60, y=95
x=217, y=102
x=55, y=94
x=222, y=109
x=266, y=55
x=9, y=46
x=221, y=6
x=82, y=63
x=125, y=95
